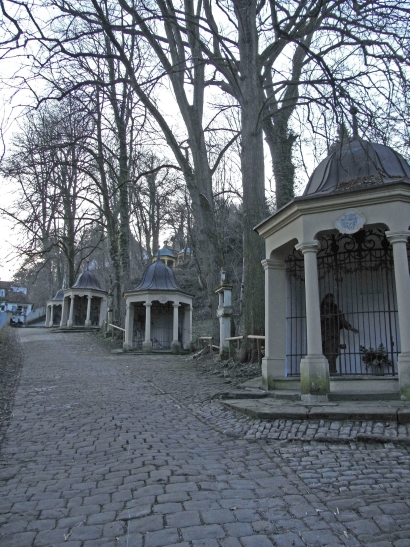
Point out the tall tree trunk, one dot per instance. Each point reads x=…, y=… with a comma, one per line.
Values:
x=280, y=141
x=252, y=163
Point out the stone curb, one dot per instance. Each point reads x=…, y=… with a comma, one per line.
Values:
x=260, y=410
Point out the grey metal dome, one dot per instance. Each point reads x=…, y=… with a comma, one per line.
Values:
x=59, y=295
x=158, y=276
x=357, y=164
x=87, y=280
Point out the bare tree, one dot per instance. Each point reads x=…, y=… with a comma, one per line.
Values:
x=51, y=207
x=154, y=190
x=275, y=60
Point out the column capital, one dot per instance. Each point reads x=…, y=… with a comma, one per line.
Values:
x=273, y=264
x=176, y=305
x=308, y=246
x=400, y=236
x=147, y=304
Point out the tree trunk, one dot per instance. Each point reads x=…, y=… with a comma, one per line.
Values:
x=252, y=163
x=280, y=141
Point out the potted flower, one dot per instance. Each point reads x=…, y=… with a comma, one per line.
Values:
x=377, y=359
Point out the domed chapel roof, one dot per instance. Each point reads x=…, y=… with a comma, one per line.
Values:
x=59, y=295
x=87, y=280
x=357, y=164
x=158, y=276
x=164, y=252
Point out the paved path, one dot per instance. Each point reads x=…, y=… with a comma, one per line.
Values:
x=129, y=451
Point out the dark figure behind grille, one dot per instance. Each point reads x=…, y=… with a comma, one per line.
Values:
x=332, y=321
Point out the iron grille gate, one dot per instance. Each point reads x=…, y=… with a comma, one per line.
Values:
x=359, y=323
x=161, y=326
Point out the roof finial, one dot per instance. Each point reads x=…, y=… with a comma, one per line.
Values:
x=88, y=265
x=353, y=112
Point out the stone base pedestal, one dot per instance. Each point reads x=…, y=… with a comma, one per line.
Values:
x=403, y=367
x=271, y=369
x=87, y=323
x=147, y=346
x=176, y=346
x=126, y=347
x=314, y=378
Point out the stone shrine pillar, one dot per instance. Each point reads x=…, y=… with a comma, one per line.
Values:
x=88, y=316
x=51, y=320
x=129, y=326
x=187, y=328
x=273, y=364
x=147, y=343
x=63, y=320
x=110, y=307
x=175, y=344
x=314, y=368
x=47, y=323
x=224, y=312
x=398, y=241
x=70, y=321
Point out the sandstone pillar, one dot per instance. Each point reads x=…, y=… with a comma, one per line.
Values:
x=314, y=368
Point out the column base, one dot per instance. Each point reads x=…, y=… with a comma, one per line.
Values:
x=87, y=323
x=176, y=346
x=69, y=324
x=314, y=378
x=403, y=367
x=147, y=346
x=271, y=369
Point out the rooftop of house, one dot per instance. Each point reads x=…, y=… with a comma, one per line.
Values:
x=13, y=293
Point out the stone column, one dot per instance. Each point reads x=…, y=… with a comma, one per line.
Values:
x=274, y=362
x=102, y=312
x=187, y=336
x=51, y=320
x=70, y=321
x=47, y=323
x=176, y=344
x=129, y=326
x=398, y=241
x=314, y=368
x=147, y=344
x=110, y=305
x=88, y=316
x=63, y=320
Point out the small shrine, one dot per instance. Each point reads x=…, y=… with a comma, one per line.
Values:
x=224, y=313
x=337, y=277
x=158, y=312
x=85, y=303
x=54, y=309
x=166, y=256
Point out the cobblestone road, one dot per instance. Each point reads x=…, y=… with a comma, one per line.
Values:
x=129, y=451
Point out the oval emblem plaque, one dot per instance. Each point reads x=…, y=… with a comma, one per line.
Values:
x=350, y=222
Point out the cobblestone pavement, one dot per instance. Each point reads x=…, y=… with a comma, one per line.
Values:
x=107, y=450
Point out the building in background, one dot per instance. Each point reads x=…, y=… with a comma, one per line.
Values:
x=15, y=305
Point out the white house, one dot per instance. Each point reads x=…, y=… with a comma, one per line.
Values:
x=14, y=301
